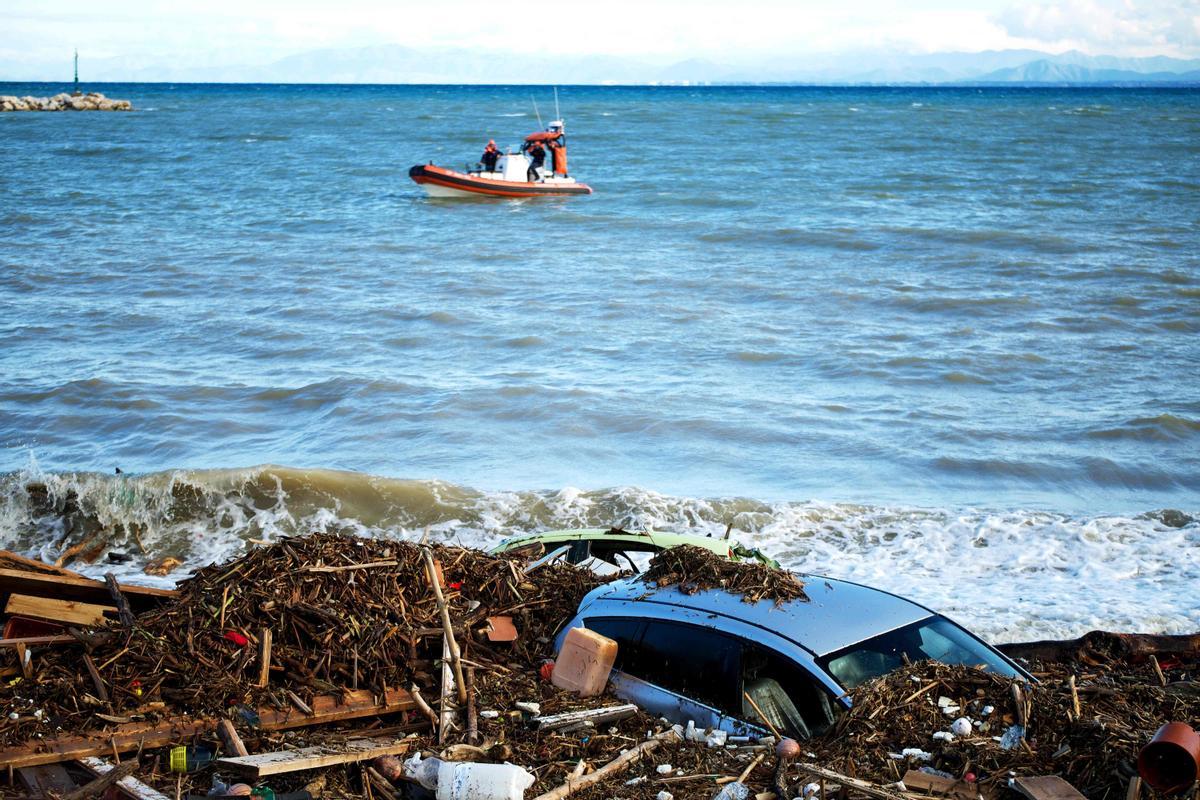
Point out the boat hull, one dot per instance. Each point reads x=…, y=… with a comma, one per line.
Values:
x=442, y=182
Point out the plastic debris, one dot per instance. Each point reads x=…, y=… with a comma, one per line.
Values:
x=961, y=727
x=1012, y=737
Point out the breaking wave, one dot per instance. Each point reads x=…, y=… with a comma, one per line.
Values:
x=1010, y=575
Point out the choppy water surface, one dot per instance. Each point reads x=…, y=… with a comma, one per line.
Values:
x=944, y=341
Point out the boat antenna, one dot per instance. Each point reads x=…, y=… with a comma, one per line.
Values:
x=535, y=111
x=556, y=114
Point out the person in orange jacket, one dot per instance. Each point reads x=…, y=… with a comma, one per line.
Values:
x=558, y=152
x=490, y=155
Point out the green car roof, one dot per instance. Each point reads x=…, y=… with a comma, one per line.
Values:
x=660, y=539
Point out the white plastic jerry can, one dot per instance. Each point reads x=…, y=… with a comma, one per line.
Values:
x=466, y=780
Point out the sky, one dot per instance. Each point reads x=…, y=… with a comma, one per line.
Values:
x=211, y=32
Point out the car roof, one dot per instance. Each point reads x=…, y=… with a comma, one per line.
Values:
x=837, y=615
x=657, y=538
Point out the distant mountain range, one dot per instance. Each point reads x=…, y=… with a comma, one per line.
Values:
x=397, y=64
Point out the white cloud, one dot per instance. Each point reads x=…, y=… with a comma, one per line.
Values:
x=1115, y=27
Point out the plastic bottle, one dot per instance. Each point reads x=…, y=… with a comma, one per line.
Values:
x=466, y=780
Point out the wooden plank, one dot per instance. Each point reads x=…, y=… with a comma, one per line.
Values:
x=123, y=740
x=1046, y=787
x=333, y=708
x=129, y=786
x=229, y=737
x=326, y=708
x=101, y=783
x=67, y=611
x=85, y=590
x=35, y=641
x=940, y=787
x=261, y=765
x=48, y=777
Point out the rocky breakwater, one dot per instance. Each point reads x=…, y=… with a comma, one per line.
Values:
x=92, y=101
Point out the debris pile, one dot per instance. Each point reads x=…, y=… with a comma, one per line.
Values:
x=327, y=664
x=694, y=569
x=1086, y=725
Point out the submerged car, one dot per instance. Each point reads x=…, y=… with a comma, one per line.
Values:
x=748, y=667
x=617, y=549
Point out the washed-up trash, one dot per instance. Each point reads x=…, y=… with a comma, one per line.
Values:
x=664, y=795
x=189, y=759
x=584, y=662
x=732, y=791
x=961, y=727
x=1171, y=761
x=423, y=770
x=664, y=769
x=1012, y=737
x=466, y=780
x=716, y=738
x=501, y=629
x=389, y=767
x=943, y=736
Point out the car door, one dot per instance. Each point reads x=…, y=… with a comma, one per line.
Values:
x=676, y=670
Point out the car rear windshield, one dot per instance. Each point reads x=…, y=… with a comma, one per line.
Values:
x=936, y=638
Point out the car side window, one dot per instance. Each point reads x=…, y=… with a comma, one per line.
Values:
x=627, y=633
x=784, y=694
x=698, y=663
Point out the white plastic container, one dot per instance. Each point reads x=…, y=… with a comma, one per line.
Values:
x=466, y=780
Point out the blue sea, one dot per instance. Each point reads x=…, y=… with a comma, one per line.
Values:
x=944, y=341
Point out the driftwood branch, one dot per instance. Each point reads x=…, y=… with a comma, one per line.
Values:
x=124, y=612
x=618, y=764
x=1103, y=644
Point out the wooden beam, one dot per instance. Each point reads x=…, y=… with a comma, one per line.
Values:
x=326, y=708
x=129, y=786
x=85, y=590
x=332, y=708
x=229, y=737
x=71, y=612
x=261, y=765
x=36, y=641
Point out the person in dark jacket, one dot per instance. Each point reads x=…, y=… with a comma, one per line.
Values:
x=538, y=154
x=490, y=155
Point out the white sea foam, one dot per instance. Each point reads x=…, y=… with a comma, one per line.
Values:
x=1010, y=575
